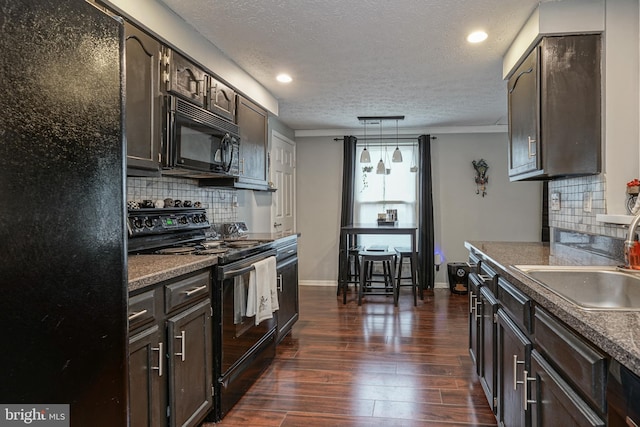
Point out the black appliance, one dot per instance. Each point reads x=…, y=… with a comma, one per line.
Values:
x=64, y=279
x=242, y=349
x=198, y=143
x=458, y=273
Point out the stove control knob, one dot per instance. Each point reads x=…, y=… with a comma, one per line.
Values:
x=137, y=222
x=148, y=222
x=203, y=218
x=182, y=220
x=195, y=219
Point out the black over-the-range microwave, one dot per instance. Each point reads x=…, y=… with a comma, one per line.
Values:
x=198, y=143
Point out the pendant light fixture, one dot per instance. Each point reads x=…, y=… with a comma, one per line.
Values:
x=381, y=169
x=364, y=156
x=397, y=154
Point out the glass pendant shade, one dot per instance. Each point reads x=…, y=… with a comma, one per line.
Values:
x=397, y=156
x=380, y=169
x=364, y=156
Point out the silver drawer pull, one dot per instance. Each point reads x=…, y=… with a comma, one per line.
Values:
x=160, y=357
x=517, y=362
x=138, y=314
x=183, y=345
x=472, y=297
x=279, y=282
x=195, y=290
x=291, y=251
x=484, y=277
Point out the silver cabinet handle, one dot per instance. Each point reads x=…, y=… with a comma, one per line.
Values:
x=160, y=357
x=195, y=290
x=516, y=362
x=280, y=282
x=478, y=302
x=531, y=142
x=183, y=345
x=138, y=314
x=471, y=304
x=525, y=393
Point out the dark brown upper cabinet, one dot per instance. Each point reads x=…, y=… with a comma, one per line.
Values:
x=221, y=100
x=184, y=78
x=143, y=103
x=555, y=110
x=252, y=121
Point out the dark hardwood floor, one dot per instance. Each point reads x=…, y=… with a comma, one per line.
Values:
x=374, y=365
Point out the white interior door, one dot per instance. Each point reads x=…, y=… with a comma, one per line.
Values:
x=283, y=173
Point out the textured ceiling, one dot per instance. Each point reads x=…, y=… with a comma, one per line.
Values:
x=353, y=58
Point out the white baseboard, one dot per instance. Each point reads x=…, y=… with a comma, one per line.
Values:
x=333, y=283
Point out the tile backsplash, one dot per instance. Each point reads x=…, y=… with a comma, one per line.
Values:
x=221, y=203
x=572, y=215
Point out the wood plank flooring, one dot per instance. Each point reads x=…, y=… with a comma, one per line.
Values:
x=374, y=365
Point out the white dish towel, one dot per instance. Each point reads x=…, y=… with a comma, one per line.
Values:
x=262, y=298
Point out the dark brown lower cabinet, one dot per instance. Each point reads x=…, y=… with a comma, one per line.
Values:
x=170, y=353
x=513, y=352
x=146, y=384
x=474, y=320
x=489, y=334
x=554, y=401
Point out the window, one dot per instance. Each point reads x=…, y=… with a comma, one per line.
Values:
x=375, y=193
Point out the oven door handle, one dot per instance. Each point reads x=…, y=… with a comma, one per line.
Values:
x=238, y=272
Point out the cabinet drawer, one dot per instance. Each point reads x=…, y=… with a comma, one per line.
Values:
x=578, y=362
x=186, y=291
x=142, y=309
x=286, y=251
x=516, y=303
x=489, y=277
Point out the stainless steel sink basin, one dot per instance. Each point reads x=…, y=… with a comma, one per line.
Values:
x=590, y=288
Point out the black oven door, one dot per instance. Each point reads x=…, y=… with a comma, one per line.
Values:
x=239, y=335
x=201, y=141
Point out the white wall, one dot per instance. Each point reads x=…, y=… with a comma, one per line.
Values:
x=510, y=211
x=318, y=200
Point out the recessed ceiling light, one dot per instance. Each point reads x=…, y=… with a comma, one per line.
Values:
x=477, y=37
x=284, y=78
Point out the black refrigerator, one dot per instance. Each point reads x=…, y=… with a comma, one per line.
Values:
x=63, y=291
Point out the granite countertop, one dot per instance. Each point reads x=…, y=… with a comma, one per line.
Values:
x=146, y=270
x=615, y=332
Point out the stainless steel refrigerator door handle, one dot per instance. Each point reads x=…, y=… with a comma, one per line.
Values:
x=183, y=345
x=160, y=357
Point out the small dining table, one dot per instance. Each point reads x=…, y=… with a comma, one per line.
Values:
x=348, y=239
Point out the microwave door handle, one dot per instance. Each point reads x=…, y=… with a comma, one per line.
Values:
x=228, y=147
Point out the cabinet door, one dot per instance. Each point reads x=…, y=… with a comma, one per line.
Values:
x=514, y=350
x=147, y=373
x=287, y=296
x=143, y=119
x=190, y=365
x=524, y=102
x=185, y=78
x=475, y=313
x=252, y=121
x=488, y=344
x=556, y=403
x=221, y=100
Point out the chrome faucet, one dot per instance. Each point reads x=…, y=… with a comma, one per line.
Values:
x=631, y=241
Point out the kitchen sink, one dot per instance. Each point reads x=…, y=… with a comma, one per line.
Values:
x=590, y=288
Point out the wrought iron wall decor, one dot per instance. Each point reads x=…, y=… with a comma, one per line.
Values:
x=481, y=179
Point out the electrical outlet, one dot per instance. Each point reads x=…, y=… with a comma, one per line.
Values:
x=555, y=201
x=586, y=201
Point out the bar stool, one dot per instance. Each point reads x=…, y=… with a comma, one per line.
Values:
x=353, y=268
x=403, y=253
x=388, y=260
